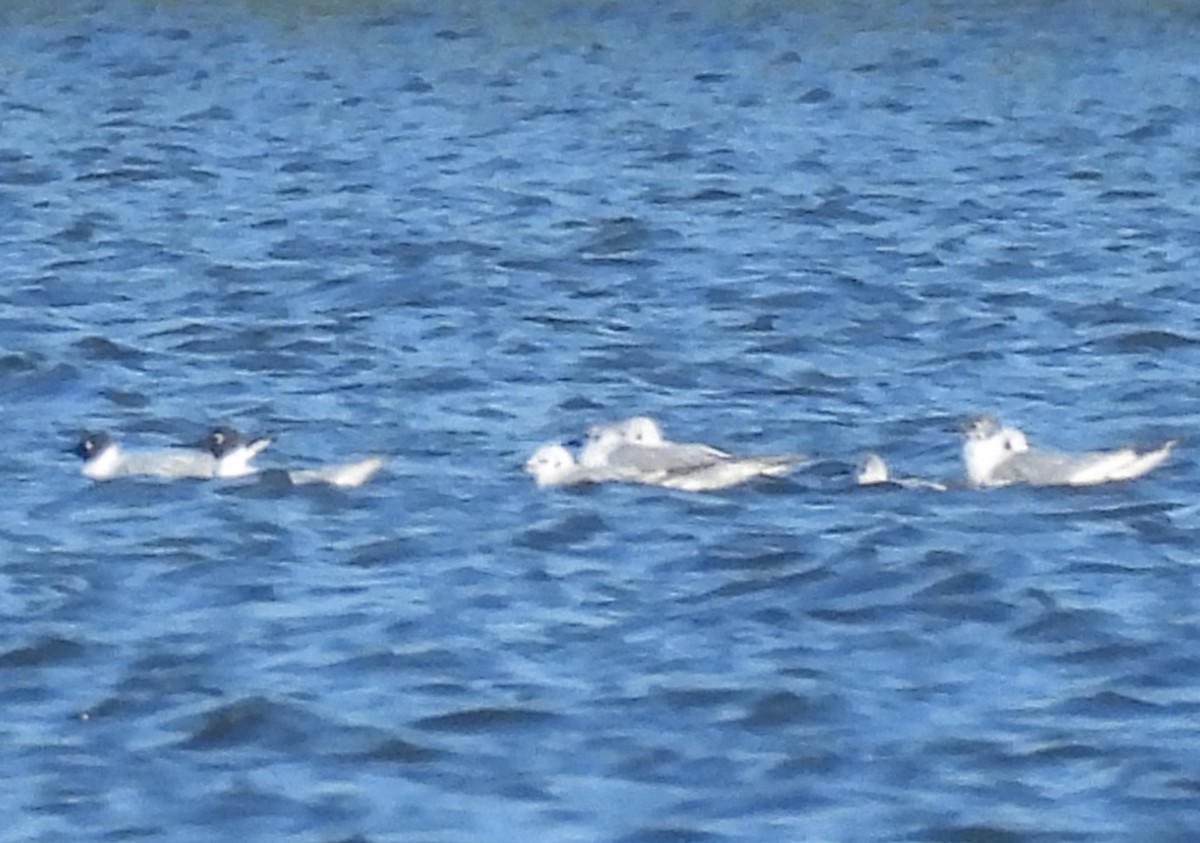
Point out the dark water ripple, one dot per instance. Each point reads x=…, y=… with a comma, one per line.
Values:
x=450, y=233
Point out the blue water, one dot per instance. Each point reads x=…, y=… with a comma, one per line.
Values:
x=452, y=232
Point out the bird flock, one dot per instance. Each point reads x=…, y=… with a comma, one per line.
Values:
x=636, y=451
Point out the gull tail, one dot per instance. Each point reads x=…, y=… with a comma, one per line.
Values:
x=777, y=465
x=1146, y=462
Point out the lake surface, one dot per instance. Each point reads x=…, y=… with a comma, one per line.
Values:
x=449, y=233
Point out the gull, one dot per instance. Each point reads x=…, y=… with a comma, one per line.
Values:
x=636, y=446
x=635, y=451
x=874, y=471
x=554, y=465
x=104, y=459
x=996, y=455
x=225, y=444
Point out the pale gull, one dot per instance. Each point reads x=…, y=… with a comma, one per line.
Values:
x=637, y=445
x=635, y=450
x=995, y=455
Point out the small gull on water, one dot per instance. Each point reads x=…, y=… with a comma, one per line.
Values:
x=635, y=450
x=996, y=455
x=637, y=445
x=224, y=441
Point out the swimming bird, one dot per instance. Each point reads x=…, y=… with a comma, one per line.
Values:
x=874, y=471
x=614, y=457
x=638, y=448
x=104, y=459
x=233, y=456
x=995, y=455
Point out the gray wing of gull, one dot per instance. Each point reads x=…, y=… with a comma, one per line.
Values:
x=1047, y=468
x=668, y=457
x=728, y=472
x=168, y=464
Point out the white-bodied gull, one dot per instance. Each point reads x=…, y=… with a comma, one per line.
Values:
x=995, y=455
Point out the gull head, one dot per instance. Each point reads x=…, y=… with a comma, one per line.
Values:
x=221, y=441
x=1014, y=440
x=872, y=471
x=231, y=451
x=94, y=445
x=101, y=457
x=602, y=440
x=550, y=464
x=980, y=426
x=642, y=430
x=988, y=446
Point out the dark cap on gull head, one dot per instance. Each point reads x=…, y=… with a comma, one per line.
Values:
x=224, y=440
x=93, y=443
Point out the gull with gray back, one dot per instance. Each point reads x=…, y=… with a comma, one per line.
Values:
x=231, y=452
x=104, y=459
x=227, y=446
x=635, y=450
x=996, y=455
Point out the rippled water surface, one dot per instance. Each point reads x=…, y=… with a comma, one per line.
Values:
x=449, y=233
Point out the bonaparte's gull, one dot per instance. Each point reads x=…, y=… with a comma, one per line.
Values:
x=874, y=471
x=996, y=455
x=103, y=459
x=226, y=445
x=637, y=447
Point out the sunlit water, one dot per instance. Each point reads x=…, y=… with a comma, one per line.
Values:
x=451, y=235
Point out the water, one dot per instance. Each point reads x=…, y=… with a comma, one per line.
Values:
x=450, y=234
